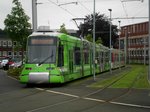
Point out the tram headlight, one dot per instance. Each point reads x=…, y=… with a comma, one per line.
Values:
x=28, y=68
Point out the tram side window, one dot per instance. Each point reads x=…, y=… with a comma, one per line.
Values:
x=107, y=57
x=102, y=57
x=86, y=57
x=60, y=56
x=97, y=61
x=77, y=56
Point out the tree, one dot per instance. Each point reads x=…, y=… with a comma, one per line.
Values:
x=102, y=28
x=99, y=41
x=89, y=37
x=17, y=25
x=63, y=29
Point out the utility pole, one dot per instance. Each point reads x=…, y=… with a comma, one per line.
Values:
x=125, y=45
x=110, y=47
x=129, y=47
x=149, y=45
x=34, y=15
x=144, y=42
x=119, y=44
x=94, y=40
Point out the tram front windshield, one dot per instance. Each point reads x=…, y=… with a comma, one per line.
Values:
x=41, y=49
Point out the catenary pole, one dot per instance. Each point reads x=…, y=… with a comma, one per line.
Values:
x=149, y=45
x=119, y=44
x=34, y=15
x=94, y=40
x=110, y=46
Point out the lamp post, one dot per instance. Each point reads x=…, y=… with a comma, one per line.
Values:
x=119, y=43
x=110, y=10
x=94, y=40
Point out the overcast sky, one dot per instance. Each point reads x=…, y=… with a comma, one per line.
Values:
x=50, y=14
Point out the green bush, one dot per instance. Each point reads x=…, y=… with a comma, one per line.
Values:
x=14, y=72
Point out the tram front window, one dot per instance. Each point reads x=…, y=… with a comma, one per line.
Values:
x=41, y=49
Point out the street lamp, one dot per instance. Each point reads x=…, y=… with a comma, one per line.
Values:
x=110, y=10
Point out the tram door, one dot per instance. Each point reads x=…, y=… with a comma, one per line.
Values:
x=71, y=61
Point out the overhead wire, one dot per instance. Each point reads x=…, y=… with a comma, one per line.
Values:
x=62, y=8
x=126, y=14
x=84, y=6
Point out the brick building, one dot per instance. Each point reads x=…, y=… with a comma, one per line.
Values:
x=7, y=48
x=134, y=41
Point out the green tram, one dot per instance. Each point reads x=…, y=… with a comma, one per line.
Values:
x=54, y=57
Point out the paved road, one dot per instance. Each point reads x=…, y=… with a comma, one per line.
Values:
x=70, y=97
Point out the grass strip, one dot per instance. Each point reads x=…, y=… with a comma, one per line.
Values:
x=137, y=78
x=142, y=81
x=108, y=81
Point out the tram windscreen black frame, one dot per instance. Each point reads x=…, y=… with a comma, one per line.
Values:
x=60, y=56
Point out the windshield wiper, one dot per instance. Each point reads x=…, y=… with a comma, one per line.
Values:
x=51, y=56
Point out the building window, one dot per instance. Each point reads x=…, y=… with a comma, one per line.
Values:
x=4, y=43
x=14, y=43
x=20, y=53
x=15, y=53
x=9, y=53
x=9, y=43
x=0, y=43
x=4, y=53
x=146, y=52
x=134, y=41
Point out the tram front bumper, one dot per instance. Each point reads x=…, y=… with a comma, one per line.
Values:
x=39, y=77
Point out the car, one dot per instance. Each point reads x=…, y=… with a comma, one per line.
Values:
x=4, y=63
x=16, y=64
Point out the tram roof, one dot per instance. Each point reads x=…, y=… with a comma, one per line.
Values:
x=55, y=34
x=63, y=36
x=47, y=33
